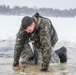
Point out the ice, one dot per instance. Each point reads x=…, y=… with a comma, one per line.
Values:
x=9, y=26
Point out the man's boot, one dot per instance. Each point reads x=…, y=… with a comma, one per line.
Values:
x=16, y=63
x=62, y=53
x=32, y=58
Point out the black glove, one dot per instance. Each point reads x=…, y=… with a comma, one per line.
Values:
x=16, y=63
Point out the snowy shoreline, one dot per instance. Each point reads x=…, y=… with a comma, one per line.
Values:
x=9, y=26
x=65, y=27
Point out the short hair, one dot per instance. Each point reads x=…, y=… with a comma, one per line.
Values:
x=26, y=21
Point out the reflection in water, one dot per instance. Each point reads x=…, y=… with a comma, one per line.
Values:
x=54, y=69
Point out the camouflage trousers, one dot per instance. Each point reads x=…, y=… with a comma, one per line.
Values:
x=28, y=52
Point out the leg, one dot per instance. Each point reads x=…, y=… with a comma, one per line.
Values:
x=35, y=56
x=26, y=53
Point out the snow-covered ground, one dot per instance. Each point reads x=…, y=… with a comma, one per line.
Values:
x=65, y=27
x=9, y=26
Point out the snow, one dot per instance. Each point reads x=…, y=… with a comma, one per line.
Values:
x=9, y=26
x=65, y=27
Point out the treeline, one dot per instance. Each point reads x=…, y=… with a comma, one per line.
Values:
x=6, y=10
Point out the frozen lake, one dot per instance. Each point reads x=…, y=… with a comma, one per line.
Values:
x=65, y=27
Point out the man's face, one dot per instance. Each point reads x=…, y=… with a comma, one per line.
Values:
x=30, y=28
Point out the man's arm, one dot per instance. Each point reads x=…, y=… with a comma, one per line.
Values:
x=46, y=45
x=54, y=36
x=19, y=45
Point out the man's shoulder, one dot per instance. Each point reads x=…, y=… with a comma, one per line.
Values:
x=46, y=21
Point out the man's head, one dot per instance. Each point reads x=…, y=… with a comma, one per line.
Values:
x=28, y=24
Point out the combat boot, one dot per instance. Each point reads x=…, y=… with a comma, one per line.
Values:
x=62, y=53
x=32, y=58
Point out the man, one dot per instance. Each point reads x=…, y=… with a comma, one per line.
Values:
x=42, y=32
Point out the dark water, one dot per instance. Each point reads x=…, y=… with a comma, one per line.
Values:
x=6, y=49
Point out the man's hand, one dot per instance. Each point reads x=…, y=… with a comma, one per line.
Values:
x=16, y=63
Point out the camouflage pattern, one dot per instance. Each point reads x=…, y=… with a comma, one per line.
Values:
x=22, y=45
x=44, y=37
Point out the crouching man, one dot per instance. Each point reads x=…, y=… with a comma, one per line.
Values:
x=41, y=31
